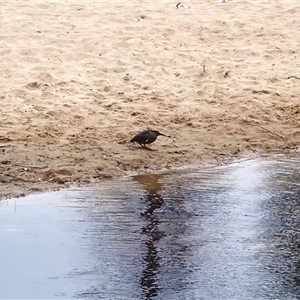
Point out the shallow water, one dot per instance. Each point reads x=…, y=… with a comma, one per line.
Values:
x=229, y=232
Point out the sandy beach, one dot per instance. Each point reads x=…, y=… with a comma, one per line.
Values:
x=80, y=79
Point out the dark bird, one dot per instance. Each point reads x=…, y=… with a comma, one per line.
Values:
x=146, y=137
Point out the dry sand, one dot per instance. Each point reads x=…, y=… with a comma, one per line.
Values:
x=80, y=78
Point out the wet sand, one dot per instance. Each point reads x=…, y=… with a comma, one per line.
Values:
x=80, y=79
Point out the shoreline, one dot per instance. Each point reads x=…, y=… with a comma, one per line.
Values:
x=24, y=188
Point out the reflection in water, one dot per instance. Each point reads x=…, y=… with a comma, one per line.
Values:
x=230, y=232
x=151, y=259
x=166, y=249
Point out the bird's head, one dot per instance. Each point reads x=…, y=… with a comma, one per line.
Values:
x=157, y=133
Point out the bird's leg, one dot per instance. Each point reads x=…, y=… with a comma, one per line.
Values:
x=143, y=146
x=147, y=147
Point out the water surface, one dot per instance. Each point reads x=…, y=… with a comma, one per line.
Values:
x=229, y=232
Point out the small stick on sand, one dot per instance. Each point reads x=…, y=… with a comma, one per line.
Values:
x=281, y=136
x=296, y=77
x=203, y=68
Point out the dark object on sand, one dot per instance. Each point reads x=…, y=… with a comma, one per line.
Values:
x=146, y=137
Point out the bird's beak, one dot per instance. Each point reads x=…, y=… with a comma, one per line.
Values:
x=164, y=135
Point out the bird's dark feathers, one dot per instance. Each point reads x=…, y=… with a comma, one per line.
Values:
x=146, y=137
